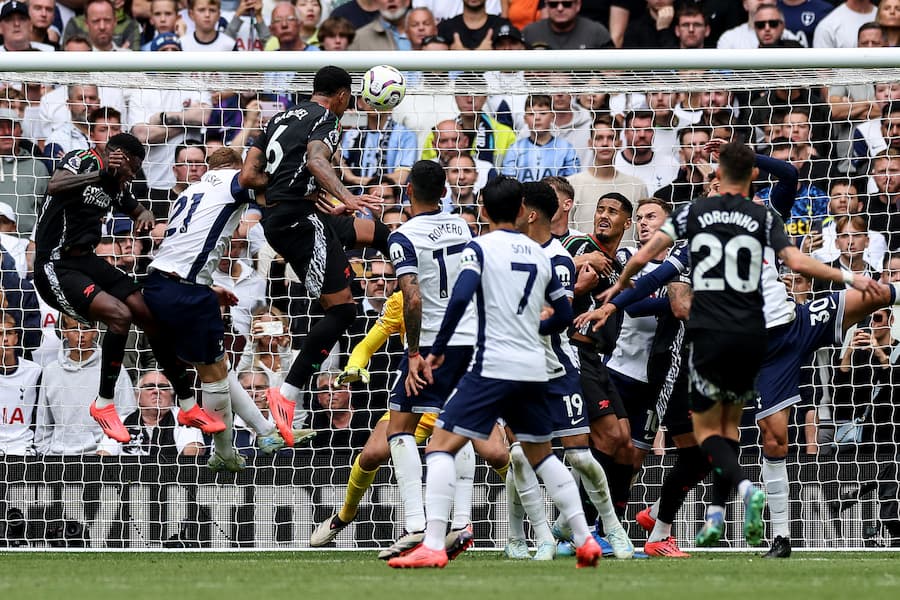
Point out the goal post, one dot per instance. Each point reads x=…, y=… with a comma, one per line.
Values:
x=157, y=493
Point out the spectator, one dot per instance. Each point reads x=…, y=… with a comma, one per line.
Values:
x=15, y=29
x=462, y=177
x=390, y=193
x=247, y=38
x=473, y=29
x=447, y=9
x=359, y=12
x=448, y=141
x=11, y=244
x=18, y=298
x=470, y=216
x=269, y=349
x=206, y=36
x=163, y=119
x=695, y=170
x=393, y=217
x=844, y=202
x=768, y=22
x=235, y=274
x=82, y=101
x=639, y=159
x=771, y=106
x=888, y=18
x=655, y=28
x=339, y=426
x=154, y=429
x=882, y=207
x=23, y=178
x=19, y=380
x=700, y=107
x=852, y=241
x=877, y=134
x=742, y=36
x=388, y=31
x=601, y=177
x=507, y=108
x=571, y=122
x=103, y=123
x=107, y=27
x=163, y=19
x=285, y=27
x=68, y=386
x=489, y=138
x=255, y=383
x=379, y=282
x=381, y=149
x=564, y=29
x=839, y=29
x=420, y=24
x=691, y=27
x=336, y=33
x=522, y=13
x=891, y=271
x=43, y=29
x=188, y=167
x=541, y=153
x=801, y=17
x=308, y=14
x=666, y=123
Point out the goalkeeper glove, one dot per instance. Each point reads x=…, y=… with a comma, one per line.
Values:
x=352, y=375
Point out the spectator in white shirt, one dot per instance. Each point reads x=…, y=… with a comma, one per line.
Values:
x=839, y=29
x=637, y=157
x=236, y=274
x=69, y=385
x=18, y=391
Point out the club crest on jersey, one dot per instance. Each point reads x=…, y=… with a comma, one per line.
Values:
x=396, y=253
x=807, y=18
x=562, y=273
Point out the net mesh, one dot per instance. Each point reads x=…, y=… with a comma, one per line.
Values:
x=56, y=491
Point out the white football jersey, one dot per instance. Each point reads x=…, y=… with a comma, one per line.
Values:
x=561, y=357
x=632, y=350
x=516, y=280
x=18, y=397
x=201, y=222
x=430, y=245
x=778, y=307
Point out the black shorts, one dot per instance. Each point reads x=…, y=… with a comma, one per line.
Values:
x=70, y=284
x=312, y=244
x=669, y=379
x=724, y=366
x=599, y=393
x=640, y=404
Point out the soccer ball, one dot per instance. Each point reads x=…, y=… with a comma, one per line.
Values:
x=383, y=87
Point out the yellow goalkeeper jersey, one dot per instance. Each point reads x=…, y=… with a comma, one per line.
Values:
x=389, y=322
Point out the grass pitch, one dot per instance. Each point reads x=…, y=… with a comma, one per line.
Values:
x=359, y=575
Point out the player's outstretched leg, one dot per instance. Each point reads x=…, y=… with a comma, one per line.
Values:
x=595, y=484
x=117, y=317
x=374, y=454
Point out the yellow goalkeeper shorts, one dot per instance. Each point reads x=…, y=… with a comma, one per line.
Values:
x=423, y=429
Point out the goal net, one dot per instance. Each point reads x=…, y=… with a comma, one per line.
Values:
x=628, y=122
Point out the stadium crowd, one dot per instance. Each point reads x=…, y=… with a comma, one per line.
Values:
x=842, y=144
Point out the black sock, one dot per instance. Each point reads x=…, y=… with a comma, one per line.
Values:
x=690, y=468
x=723, y=455
x=175, y=371
x=112, y=355
x=318, y=343
x=590, y=511
x=620, y=488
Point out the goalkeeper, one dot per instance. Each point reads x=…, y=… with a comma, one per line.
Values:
x=376, y=450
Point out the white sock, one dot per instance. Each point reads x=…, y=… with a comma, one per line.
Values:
x=594, y=480
x=243, y=406
x=530, y=494
x=291, y=392
x=775, y=476
x=654, y=509
x=660, y=531
x=102, y=402
x=216, y=401
x=187, y=403
x=562, y=489
x=439, y=494
x=743, y=487
x=408, y=471
x=465, y=482
x=516, y=512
